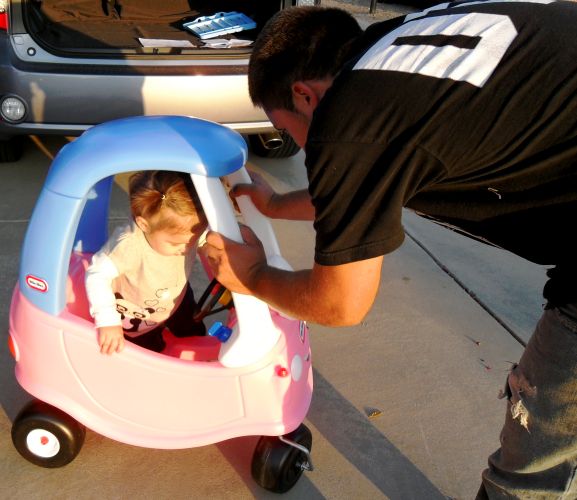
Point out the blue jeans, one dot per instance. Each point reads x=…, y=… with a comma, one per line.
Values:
x=538, y=454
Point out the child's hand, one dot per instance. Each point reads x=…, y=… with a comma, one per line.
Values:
x=110, y=339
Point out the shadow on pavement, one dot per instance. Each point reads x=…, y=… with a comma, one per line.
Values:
x=349, y=431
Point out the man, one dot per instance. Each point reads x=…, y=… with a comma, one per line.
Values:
x=466, y=113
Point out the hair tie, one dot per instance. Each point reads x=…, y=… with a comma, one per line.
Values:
x=162, y=196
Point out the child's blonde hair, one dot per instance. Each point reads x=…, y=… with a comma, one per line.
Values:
x=154, y=191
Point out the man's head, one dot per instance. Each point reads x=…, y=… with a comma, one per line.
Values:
x=295, y=59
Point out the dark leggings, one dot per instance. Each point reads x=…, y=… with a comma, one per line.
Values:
x=180, y=324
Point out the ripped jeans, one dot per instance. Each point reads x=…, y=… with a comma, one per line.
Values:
x=538, y=454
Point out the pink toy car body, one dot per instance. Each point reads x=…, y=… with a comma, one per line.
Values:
x=198, y=391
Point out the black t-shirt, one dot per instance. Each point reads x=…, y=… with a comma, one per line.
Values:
x=466, y=113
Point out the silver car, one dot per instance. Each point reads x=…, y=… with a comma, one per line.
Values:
x=66, y=65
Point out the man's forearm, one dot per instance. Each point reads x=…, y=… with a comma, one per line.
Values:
x=339, y=295
x=294, y=205
x=291, y=292
x=331, y=296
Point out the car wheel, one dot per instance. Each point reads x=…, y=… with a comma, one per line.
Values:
x=276, y=465
x=11, y=149
x=46, y=436
x=288, y=147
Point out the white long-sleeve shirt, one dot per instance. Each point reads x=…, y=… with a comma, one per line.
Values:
x=129, y=284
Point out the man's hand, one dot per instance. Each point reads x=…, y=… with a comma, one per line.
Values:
x=110, y=339
x=260, y=193
x=235, y=265
x=294, y=205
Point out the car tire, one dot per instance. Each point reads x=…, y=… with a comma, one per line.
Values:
x=46, y=436
x=11, y=149
x=288, y=148
x=276, y=466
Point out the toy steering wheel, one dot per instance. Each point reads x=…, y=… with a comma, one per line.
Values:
x=213, y=295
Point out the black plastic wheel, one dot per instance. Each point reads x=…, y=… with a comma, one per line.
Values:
x=288, y=148
x=46, y=436
x=11, y=149
x=276, y=466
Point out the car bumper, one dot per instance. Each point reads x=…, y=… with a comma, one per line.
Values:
x=68, y=99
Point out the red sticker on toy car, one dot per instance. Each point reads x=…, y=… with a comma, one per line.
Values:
x=36, y=283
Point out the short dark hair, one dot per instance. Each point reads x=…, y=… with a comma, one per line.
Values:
x=298, y=44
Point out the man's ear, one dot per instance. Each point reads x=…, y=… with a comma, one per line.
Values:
x=142, y=223
x=305, y=98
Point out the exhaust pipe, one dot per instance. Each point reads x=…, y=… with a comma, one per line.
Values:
x=271, y=140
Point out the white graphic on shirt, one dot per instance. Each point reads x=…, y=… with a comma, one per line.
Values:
x=132, y=316
x=443, y=6
x=473, y=65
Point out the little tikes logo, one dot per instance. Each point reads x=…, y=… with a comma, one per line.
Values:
x=37, y=284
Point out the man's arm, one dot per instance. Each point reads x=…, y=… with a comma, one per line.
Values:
x=328, y=295
x=294, y=205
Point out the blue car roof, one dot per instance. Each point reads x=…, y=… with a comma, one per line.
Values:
x=146, y=143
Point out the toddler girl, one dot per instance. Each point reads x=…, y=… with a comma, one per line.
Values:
x=137, y=284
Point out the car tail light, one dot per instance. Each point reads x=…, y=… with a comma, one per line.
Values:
x=12, y=109
x=4, y=15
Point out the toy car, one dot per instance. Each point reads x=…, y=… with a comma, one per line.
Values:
x=262, y=374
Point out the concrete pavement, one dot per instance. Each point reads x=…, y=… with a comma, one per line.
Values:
x=427, y=363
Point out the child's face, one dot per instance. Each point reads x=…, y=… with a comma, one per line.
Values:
x=170, y=242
